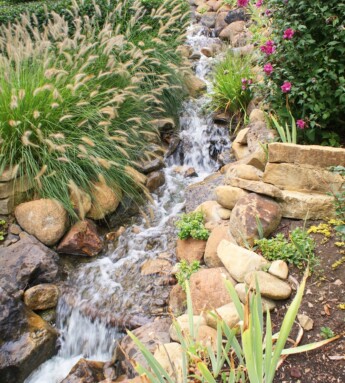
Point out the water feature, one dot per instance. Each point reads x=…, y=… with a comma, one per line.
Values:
x=99, y=293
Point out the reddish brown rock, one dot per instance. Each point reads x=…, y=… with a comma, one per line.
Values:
x=155, y=180
x=82, y=239
x=85, y=371
x=190, y=249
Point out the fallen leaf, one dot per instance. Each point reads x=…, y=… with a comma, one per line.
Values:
x=326, y=308
x=337, y=357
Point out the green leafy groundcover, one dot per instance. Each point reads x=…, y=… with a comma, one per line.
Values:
x=77, y=102
x=311, y=59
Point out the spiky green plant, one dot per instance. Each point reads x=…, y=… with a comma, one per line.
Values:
x=76, y=107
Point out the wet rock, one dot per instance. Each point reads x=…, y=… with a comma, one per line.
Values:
x=228, y=313
x=239, y=261
x=109, y=371
x=279, y=269
x=246, y=213
x=258, y=187
x=155, y=180
x=27, y=263
x=46, y=219
x=208, y=52
x=190, y=172
x=151, y=166
x=41, y=297
x=244, y=171
x=173, y=145
x=267, y=304
x=105, y=200
x=156, y=266
x=302, y=178
x=82, y=239
x=26, y=340
x=169, y=356
x=183, y=323
x=151, y=335
x=177, y=300
x=208, y=19
x=208, y=289
x=222, y=118
x=81, y=202
x=85, y=371
x=190, y=249
x=219, y=233
x=236, y=15
x=228, y=196
x=306, y=322
x=298, y=205
x=195, y=55
x=270, y=286
x=195, y=85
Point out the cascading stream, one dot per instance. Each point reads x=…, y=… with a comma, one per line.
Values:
x=112, y=286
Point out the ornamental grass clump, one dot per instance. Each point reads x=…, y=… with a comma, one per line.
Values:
x=75, y=108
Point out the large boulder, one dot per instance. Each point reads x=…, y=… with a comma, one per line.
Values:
x=303, y=178
x=208, y=289
x=219, y=233
x=151, y=335
x=239, y=261
x=26, y=340
x=41, y=297
x=105, y=200
x=298, y=205
x=269, y=285
x=258, y=187
x=81, y=239
x=46, y=219
x=227, y=196
x=85, y=371
x=322, y=156
x=246, y=214
x=27, y=263
x=190, y=249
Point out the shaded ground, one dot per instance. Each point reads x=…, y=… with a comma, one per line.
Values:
x=324, y=293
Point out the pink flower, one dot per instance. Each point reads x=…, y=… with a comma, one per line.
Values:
x=286, y=87
x=242, y=3
x=259, y=3
x=268, y=48
x=244, y=87
x=288, y=34
x=301, y=124
x=268, y=69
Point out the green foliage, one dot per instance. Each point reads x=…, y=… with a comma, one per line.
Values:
x=312, y=60
x=3, y=227
x=326, y=332
x=287, y=135
x=230, y=75
x=253, y=358
x=288, y=250
x=191, y=225
x=185, y=271
x=76, y=105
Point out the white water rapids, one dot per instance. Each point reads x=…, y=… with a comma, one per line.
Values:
x=113, y=283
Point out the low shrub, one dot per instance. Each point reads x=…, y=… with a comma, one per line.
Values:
x=233, y=77
x=191, y=225
x=307, y=68
x=75, y=108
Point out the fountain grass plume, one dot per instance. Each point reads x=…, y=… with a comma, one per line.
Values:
x=76, y=107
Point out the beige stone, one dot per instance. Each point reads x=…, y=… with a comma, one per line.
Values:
x=41, y=297
x=239, y=261
x=177, y=300
x=248, y=211
x=279, y=269
x=232, y=32
x=306, y=322
x=224, y=213
x=195, y=85
x=228, y=313
x=220, y=21
x=227, y=196
x=269, y=285
x=210, y=210
x=258, y=135
x=81, y=202
x=257, y=115
x=313, y=155
x=46, y=219
x=105, y=200
x=16, y=185
x=219, y=233
x=241, y=137
x=267, y=304
x=258, y=187
x=8, y=204
x=247, y=172
x=169, y=356
x=208, y=289
x=302, y=178
x=156, y=266
x=240, y=151
x=203, y=8
x=190, y=249
x=183, y=323
x=298, y=205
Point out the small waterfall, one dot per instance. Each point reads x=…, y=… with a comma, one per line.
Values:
x=99, y=293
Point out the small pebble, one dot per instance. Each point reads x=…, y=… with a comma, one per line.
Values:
x=295, y=373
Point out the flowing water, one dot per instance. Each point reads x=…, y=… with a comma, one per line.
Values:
x=109, y=289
